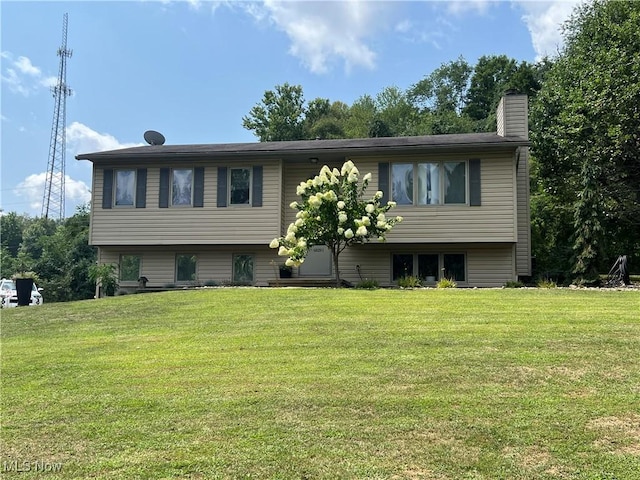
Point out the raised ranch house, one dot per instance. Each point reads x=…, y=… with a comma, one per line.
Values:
x=200, y=214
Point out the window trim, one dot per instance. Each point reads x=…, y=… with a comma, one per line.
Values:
x=253, y=267
x=171, y=182
x=195, y=272
x=115, y=187
x=229, y=192
x=441, y=182
x=128, y=282
x=441, y=266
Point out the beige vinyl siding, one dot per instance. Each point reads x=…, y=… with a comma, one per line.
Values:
x=490, y=265
x=512, y=118
x=214, y=263
x=189, y=225
x=493, y=221
x=523, y=247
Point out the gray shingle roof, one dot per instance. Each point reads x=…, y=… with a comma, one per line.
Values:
x=311, y=147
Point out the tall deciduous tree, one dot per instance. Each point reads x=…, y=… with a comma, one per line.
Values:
x=445, y=89
x=586, y=134
x=279, y=116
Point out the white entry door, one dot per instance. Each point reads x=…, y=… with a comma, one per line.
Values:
x=317, y=262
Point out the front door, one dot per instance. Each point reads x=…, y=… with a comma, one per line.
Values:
x=317, y=262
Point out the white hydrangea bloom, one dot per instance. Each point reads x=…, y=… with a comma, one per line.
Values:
x=346, y=168
x=370, y=208
x=275, y=243
x=348, y=233
x=362, y=231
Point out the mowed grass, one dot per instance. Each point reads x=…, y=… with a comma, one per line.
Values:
x=326, y=384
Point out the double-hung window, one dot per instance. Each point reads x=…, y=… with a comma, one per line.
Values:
x=125, y=188
x=429, y=183
x=182, y=187
x=239, y=186
x=243, y=268
x=186, y=267
x=129, y=268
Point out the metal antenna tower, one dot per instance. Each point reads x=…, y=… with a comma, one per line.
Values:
x=53, y=199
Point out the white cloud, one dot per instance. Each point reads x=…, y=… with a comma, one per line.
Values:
x=48, y=82
x=544, y=21
x=32, y=189
x=22, y=76
x=25, y=66
x=322, y=33
x=83, y=139
x=80, y=139
x=475, y=6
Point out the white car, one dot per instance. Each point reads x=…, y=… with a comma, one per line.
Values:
x=9, y=295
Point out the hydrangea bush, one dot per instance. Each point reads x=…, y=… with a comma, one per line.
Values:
x=333, y=212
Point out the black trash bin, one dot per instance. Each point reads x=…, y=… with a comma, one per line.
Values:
x=23, y=291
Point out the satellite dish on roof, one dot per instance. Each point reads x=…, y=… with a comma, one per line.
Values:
x=154, y=138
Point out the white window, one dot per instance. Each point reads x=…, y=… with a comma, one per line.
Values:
x=182, y=187
x=239, y=186
x=432, y=183
x=129, y=268
x=186, y=265
x=243, y=268
x=125, y=195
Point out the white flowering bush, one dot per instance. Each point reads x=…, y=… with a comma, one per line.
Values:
x=333, y=212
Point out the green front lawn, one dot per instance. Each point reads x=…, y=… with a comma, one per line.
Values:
x=324, y=383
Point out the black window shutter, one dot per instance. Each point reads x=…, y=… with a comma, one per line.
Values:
x=107, y=188
x=383, y=182
x=256, y=194
x=474, y=182
x=222, y=187
x=141, y=188
x=163, y=198
x=198, y=187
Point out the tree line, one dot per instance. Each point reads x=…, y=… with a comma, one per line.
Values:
x=57, y=252
x=584, y=127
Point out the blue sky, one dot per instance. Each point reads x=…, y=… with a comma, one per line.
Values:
x=192, y=69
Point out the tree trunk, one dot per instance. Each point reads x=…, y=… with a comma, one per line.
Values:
x=335, y=252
